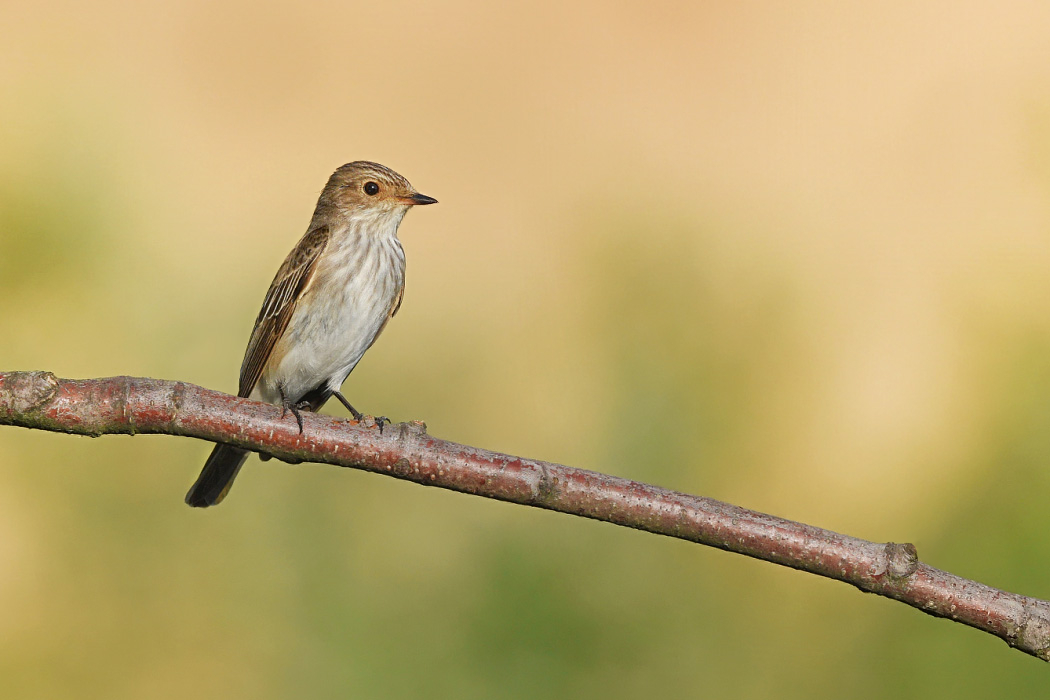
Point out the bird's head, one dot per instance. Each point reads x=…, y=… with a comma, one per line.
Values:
x=366, y=186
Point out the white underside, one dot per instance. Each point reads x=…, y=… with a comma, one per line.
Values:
x=354, y=287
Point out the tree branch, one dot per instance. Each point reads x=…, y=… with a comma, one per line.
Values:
x=131, y=405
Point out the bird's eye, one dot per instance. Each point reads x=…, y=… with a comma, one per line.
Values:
x=371, y=188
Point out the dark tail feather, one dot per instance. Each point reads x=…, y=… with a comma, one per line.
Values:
x=217, y=476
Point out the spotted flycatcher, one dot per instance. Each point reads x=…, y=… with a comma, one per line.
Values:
x=329, y=302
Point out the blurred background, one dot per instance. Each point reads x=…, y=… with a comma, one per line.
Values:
x=789, y=255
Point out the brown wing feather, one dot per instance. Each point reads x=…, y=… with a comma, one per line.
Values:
x=287, y=288
x=397, y=303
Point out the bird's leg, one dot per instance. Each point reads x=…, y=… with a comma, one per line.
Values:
x=353, y=411
x=380, y=420
x=295, y=408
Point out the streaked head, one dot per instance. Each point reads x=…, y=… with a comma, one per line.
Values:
x=371, y=186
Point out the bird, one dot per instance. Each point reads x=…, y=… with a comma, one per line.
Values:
x=331, y=298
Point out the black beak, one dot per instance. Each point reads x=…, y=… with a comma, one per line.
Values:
x=417, y=198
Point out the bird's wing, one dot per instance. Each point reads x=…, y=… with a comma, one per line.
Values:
x=397, y=303
x=393, y=312
x=287, y=288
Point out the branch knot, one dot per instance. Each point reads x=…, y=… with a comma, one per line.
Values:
x=902, y=560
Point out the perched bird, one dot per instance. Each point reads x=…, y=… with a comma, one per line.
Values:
x=329, y=302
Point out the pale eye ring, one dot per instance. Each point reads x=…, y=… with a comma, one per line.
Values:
x=371, y=188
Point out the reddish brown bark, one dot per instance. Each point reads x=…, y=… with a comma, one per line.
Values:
x=133, y=405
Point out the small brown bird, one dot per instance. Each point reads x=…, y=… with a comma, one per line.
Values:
x=329, y=302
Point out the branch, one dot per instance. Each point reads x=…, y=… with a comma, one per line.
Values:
x=131, y=405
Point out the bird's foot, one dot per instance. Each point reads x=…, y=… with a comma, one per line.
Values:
x=367, y=421
x=296, y=411
x=358, y=416
x=353, y=411
x=295, y=408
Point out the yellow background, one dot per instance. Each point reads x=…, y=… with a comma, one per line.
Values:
x=791, y=255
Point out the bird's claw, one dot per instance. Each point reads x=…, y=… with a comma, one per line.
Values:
x=301, y=406
x=296, y=409
x=367, y=421
x=358, y=416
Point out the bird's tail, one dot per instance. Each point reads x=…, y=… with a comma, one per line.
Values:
x=217, y=476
